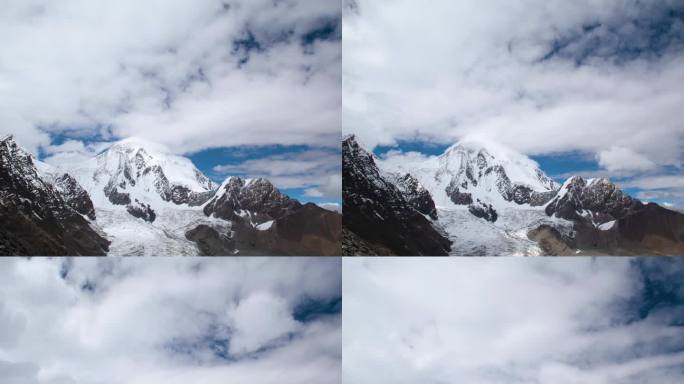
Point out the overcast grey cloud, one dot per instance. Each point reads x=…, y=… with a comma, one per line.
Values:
x=87, y=321
x=507, y=320
x=189, y=74
x=596, y=77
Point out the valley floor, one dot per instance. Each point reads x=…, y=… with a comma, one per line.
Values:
x=131, y=236
x=472, y=236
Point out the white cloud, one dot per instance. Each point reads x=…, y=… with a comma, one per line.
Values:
x=506, y=320
x=170, y=73
x=167, y=320
x=624, y=159
x=331, y=187
x=316, y=170
x=260, y=319
x=442, y=71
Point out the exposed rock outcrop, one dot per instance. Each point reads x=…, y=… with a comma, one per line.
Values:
x=36, y=218
x=376, y=210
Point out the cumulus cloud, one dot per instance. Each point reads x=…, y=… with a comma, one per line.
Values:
x=168, y=321
x=543, y=77
x=191, y=75
x=623, y=159
x=504, y=320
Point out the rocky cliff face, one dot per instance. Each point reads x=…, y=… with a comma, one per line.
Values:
x=608, y=221
x=593, y=202
x=72, y=192
x=253, y=200
x=415, y=194
x=378, y=211
x=40, y=214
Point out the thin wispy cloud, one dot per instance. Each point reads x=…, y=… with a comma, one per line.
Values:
x=169, y=321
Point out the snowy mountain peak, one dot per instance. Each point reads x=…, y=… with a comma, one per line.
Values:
x=481, y=172
x=474, y=157
x=136, y=157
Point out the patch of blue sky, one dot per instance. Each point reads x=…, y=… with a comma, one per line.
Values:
x=425, y=147
x=301, y=195
x=662, y=292
x=560, y=166
x=207, y=159
x=311, y=309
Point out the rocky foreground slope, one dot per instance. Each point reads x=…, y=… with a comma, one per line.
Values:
x=382, y=217
x=43, y=213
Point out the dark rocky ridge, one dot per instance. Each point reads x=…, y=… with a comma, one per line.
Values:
x=415, y=194
x=377, y=212
x=75, y=196
x=258, y=196
x=35, y=217
x=602, y=198
x=636, y=229
x=296, y=229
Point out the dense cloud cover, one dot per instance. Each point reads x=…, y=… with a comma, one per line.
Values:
x=189, y=74
x=164, y=320
x=601, y=78
x=507, y=320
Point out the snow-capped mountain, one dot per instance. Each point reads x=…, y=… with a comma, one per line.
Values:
x=141, y=177
x=42, y=211
x=140, y=199
x=482, y=173
x=492, y=200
